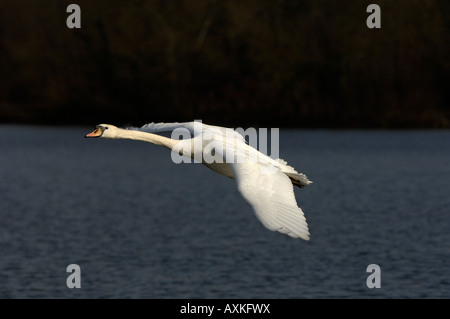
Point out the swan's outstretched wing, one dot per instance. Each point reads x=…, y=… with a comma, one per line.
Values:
x=194, y=128
x=272, y=196
x=268, y=190
x=164, y=127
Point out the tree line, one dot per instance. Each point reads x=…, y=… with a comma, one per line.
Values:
x=284, y=63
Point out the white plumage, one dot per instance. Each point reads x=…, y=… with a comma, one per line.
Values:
x=266, y=183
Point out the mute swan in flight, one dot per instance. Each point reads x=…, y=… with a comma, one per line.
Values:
x=266, y=183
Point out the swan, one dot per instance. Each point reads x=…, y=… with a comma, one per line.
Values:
x=265, y=183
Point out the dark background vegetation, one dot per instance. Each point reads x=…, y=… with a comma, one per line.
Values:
x=289, y=63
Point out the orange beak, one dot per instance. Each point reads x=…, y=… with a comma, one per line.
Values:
x=96, y=133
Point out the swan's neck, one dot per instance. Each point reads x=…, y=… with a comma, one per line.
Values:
x=147, y=137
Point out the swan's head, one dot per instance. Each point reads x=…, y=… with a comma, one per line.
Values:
x=105, y=131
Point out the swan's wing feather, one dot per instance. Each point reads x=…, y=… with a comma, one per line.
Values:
x=270, y=192
x=164, y=127
x=194, y=128
x=272, y=196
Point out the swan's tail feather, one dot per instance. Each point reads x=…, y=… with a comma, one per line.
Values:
x=298, y=179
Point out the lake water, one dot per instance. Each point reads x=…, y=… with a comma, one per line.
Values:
x=140, y=226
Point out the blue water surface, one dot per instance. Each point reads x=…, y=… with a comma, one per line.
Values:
x=141, y=226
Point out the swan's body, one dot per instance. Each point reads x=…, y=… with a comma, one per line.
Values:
x=266, y=183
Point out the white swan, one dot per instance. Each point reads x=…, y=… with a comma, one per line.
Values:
x=267, y=184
